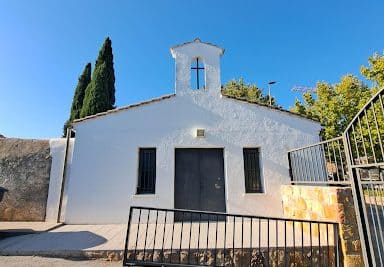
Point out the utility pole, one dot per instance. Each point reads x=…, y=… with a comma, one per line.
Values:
x=269, y=91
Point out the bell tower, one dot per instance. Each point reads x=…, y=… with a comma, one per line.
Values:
x=197, y=67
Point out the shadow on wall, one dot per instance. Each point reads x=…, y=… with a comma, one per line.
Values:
x=52, y=241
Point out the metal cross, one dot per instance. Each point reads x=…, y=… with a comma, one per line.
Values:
x=197, y=68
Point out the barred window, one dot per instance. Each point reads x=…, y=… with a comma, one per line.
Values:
x=147, y=171
x=252, y=170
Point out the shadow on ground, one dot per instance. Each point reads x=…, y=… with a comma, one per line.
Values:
x=52, y=241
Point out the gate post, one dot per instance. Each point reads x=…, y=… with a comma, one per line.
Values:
x=357, y=203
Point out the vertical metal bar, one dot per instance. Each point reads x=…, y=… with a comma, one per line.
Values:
x=277, y=242
x=341, y=159
x=259, y=236
x=217, y=225
x=372, y=216
x=334, y=155
x=370, y=137
x=181, y=234
x=207, y=230
x=190, y=236
x=328, y=257
x=318, y=237
x=294, y=243
x=137, y=234
x=357, y=147
x=242, y=239
x=198, y=239
x=373, y=219
x=285, y=243
x=378, y=131
x=362, y=139
x=162, y=244
x=310, y=241
x=154, y=236
x=379, y=222
x=233, y=242
x=323, y=159
x=336, y=242
x=225, y=236
x=330, y=160
x=173, y=230
x=302, y=242
x=250, y=244
x=146, y=233
x=292, y=168
x=127, y=236
x=268, y=242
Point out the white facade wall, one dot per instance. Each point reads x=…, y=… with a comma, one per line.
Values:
x=104, y=172
x=57, y=151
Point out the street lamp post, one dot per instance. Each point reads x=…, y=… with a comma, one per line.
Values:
x=269, y=91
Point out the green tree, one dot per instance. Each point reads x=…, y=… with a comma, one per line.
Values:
x=78, y=97
x=375, y=71
x=250, y=92
x=100, y=92
x=334, y=105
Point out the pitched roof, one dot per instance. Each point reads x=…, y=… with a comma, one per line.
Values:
x=101, y=114
x=197, y=40
x=125, y=108
x=271, y=107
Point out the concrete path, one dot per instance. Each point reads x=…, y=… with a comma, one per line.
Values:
x=31, y=261
x=106, y=241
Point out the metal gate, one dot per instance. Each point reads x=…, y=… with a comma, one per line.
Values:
x=154, y=238
x=357, y=159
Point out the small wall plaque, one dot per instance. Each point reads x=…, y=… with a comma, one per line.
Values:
x=200, y=133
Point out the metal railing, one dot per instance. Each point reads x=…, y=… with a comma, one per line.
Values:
x=364, y=138
x=320, y=163
x=355, y=158
x=173, y=237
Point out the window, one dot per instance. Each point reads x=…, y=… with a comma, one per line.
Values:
x=197, y=74
x=252, y=170
x=147, y=171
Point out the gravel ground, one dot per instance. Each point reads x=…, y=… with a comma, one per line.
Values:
x=31, y=261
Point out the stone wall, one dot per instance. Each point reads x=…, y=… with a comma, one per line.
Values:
x=326, y=204
x=24, y=179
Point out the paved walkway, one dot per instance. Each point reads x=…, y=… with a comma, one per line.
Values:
x=31, y=261
x=69, y=241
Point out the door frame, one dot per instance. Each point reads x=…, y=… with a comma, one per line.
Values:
x=224, y=167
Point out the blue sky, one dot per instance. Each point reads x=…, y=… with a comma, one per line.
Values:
x=45, y=45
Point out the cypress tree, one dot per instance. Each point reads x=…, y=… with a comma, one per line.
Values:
x=78, y=97
x=100, y=92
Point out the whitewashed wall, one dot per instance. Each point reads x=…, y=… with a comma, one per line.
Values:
x=105, y=161
x=104, y=172
x=57, y=151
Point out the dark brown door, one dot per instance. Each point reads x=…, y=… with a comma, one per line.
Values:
x=199, y=179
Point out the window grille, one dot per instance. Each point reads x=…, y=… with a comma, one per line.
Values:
x=252, y=170
x=147, y=171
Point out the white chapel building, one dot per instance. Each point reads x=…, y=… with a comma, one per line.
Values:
x=194, y=149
